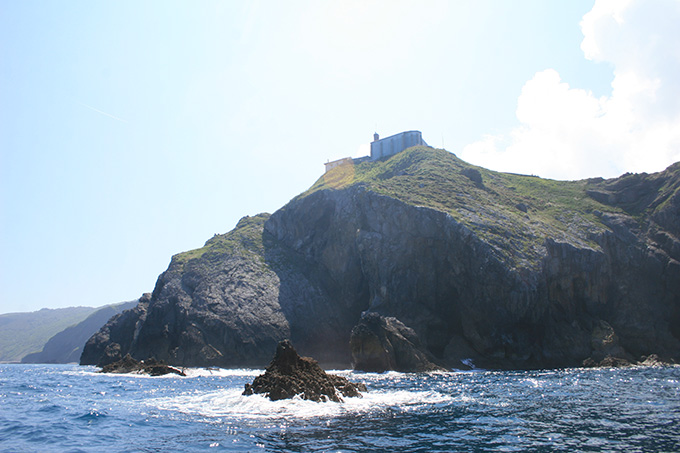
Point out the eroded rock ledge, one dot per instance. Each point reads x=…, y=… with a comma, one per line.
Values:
x=289, y=375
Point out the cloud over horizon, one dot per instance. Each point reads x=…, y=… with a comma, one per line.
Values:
x=567, y=133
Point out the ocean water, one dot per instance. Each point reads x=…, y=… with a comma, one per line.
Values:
x=73, y=408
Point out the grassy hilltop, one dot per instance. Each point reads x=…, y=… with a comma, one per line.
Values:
x=513, y=212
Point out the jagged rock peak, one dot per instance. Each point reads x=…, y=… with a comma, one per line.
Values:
x=286, y=358
x=289, y=375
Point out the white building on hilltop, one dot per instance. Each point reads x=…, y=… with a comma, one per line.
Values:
x=383, y=148
x=395, y=144
x=337, y=163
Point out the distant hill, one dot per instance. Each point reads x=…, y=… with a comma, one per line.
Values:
x=24, y=333
x=67, y=345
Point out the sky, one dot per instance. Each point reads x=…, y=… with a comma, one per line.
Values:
x=131, y=131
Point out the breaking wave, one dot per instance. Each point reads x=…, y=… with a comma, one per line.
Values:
x=231, y=403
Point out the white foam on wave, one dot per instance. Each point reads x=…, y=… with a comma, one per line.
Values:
x=190, y=373
x=135, y=374
x=231, y=403
x=221, y=372
x=85, y=371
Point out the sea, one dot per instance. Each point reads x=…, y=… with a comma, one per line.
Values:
x=73, y=408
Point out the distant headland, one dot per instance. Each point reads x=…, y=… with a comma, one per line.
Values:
x=420, y=260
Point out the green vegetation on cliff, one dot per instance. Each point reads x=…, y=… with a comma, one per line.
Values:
x=514, y=213
x=245, y=239
x=511, y=212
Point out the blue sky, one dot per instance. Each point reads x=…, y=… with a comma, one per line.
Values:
x=131, y=131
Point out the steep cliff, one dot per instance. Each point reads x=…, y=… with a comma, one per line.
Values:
x=229, y=304
x=508, y=270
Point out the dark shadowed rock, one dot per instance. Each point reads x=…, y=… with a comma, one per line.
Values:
x=289, y=375
x=150, y=366
x=381, y=343
x=112, y=341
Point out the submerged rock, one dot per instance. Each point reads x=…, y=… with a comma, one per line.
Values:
x=381, y=343
x=150, y=366
x=289, y=375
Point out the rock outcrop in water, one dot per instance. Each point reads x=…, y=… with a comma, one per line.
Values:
x=290, y=375
x=381, y=344
x=505, y=270
x=150, y=366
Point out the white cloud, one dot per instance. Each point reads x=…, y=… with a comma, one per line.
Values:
x=568, y=133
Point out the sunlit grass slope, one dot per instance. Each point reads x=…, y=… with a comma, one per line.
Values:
x=514, y=213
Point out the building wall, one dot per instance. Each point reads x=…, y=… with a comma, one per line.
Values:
x=337, y=163
x=395, y=144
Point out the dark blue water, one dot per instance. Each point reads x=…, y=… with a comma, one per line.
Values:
x=71, y=408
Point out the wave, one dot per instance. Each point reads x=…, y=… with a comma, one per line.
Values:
x=190, y=373
x=222, y=372
x=93, y=415
x=231, y=403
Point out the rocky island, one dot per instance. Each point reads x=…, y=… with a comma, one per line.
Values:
x=150, y=366
x=420, y=260
x=289, y=375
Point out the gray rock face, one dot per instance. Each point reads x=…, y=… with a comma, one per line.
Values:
x=503, y=287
